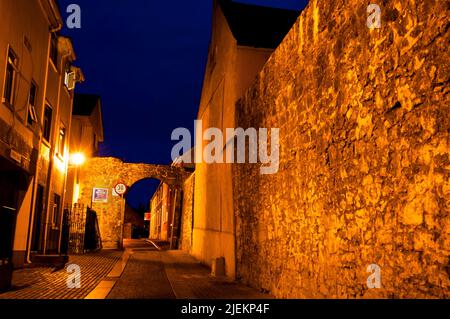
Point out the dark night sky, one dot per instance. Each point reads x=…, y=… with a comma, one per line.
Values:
x=146, y=59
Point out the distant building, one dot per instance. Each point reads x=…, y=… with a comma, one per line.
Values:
x=162, y=207
x=166, y=206
x=156, y=213
x=133, y=225
x=37, y=80
x=87, y=124
x=85, y=135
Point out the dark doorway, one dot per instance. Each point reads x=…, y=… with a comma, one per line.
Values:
x=51, y=244
x=9, y=189
x=39, y=222
x=7, y=227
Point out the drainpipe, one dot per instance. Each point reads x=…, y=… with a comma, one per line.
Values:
x=124, y=207
x=55, y=12
x=67, y=164
x=66, y=171
x=68, y=137
x=52, y=29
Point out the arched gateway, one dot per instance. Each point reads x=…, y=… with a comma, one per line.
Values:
x=101, y=174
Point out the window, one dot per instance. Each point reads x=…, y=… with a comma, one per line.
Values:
x=32, y=118
x=61, y=140
x=69, y=80
x=11, y=69
x=39, y=220
x=47, y=125
x=54, y=49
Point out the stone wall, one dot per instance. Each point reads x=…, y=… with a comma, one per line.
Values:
x=364, y=161
x=102, y=173
x=187, y=214
x=106, y=172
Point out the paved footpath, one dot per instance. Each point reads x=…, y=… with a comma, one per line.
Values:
x=48, y=283
x=141, y=272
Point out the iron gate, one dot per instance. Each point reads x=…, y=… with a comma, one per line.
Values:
x=80, y=230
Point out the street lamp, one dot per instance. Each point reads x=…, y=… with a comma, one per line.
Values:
x=77, y=159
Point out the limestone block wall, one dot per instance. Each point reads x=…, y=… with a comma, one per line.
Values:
x=103, y=173
x=106, y=172
x=364, y=161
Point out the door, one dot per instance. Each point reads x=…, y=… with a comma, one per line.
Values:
x=39, y=222
x=53, y=228
x=8, y=202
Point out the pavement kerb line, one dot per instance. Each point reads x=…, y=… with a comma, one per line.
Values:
x=151, y=242
x=167, y=275
x=119, y=267
x=104, y=287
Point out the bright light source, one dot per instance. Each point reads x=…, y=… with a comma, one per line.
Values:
x=76, y=193
x=77, y=159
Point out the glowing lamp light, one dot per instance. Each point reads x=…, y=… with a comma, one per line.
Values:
x=77, y=159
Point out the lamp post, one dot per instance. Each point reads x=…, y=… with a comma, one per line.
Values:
x=121, y=189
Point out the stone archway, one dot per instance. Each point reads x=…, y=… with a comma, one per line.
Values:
x=105, y=173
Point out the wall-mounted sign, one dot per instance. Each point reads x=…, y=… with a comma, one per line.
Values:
x=100, y=195
x=147, y=216
x=15, y=156
x=120, y=188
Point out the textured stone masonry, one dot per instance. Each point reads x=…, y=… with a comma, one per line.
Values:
x=364, y=162
x=106, y=172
